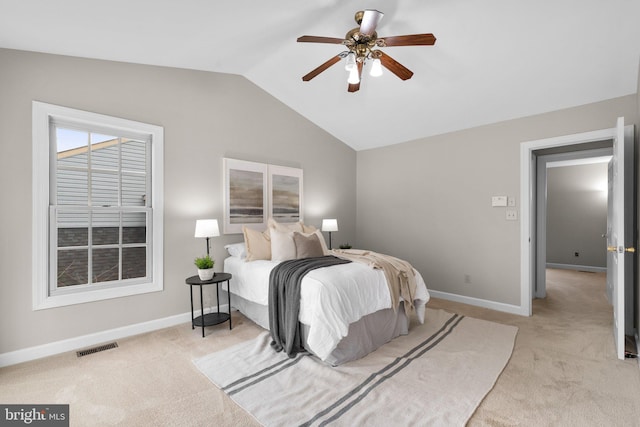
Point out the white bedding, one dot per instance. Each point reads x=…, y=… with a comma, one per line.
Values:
x=330, y=298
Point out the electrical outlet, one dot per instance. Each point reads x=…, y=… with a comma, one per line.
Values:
x=576, y=254
x=467, y=278
x=512, y=215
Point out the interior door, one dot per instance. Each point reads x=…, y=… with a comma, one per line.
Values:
x=610, y=254
x=619, y=241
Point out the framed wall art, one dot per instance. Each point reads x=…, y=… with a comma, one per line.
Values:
x=285, y=193
x=245, y=195
x=254, y=192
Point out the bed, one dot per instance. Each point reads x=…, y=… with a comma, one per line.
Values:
x=345, y=310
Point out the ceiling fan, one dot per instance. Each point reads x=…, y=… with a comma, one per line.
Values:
x=362, y=42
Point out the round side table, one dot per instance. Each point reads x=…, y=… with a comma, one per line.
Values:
x=209, y=319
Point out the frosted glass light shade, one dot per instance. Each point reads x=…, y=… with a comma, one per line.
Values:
x=329, y=225
x=354, y=78
x=376, y=68
x=351, y=62
x=207, y=228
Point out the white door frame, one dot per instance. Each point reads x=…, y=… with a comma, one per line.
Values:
x=527, y=187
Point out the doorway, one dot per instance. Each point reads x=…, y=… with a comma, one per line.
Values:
x=622, y=245
x=566, y=247
x=529, y=152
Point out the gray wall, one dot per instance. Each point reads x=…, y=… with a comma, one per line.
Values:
x=429, y=200
x=206, y=116
x=577, y=215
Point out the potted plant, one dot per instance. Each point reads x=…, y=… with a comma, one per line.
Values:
x=205, y=267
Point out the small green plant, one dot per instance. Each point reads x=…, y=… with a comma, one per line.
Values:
x=204, y=262
x=345, y=246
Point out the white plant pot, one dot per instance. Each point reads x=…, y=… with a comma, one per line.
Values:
x=205, y=274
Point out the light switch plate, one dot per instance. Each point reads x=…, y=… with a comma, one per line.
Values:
x=511, y=201
x=498, y=201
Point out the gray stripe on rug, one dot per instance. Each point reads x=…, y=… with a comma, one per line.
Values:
x=286, y=362
x=358, y=393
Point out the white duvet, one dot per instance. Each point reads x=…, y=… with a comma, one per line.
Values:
x=330, y=298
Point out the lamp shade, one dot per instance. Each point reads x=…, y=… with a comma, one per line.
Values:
x=207, y=228
x=354, y=76
x=329, y=225
x=351, y=61
x=376, y=68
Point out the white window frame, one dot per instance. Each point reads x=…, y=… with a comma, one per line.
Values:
x=42, y=162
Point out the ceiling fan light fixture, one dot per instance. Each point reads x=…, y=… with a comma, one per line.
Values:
x=351, y=61
x=376, y=68
x=354, y=77
x=361, y=43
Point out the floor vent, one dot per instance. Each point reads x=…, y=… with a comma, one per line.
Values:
x=97, y=349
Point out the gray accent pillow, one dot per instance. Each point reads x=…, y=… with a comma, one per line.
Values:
x=307, y=246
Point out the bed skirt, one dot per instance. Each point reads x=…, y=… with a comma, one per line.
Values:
x=364, y=336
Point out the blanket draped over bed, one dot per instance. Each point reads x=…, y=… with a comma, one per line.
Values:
x=401, y=277
x=284, y=300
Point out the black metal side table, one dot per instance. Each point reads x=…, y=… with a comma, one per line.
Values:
x=210, y=319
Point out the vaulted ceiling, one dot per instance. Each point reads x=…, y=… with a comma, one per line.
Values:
x=493, y=60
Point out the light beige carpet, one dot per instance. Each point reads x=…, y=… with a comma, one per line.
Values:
x=436, y=375
x=563, y=370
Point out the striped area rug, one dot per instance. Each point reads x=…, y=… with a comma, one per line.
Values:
x=436, y=375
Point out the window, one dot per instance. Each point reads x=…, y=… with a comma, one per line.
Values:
x=97, y=203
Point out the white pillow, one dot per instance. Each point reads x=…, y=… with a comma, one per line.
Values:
x=238, y=250
x=282, y=245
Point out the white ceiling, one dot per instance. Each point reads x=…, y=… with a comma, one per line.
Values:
x=493, y=60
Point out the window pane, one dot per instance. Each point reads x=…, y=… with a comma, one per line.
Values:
x=134, y=155
x=72, y=267
x=105, y=264
x=105, y=235
x=104, y=152
x=97, y=138
x=71, y=146
x=104, y=189
x=72, y=188
x=134, y=262
x=105, y=228
x=134, y=227
x=133, y=190
x=72, y=229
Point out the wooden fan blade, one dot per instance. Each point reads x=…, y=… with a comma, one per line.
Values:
x=354, y=87
x=395, y=67
x=317, y=39
x=370, y=21
x=321, y=68
x=410, y=40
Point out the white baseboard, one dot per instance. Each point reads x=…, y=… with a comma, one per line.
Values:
x=493, y=305
x=588, y=268
x=76, y=343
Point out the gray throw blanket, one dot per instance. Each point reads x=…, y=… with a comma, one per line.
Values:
x=284, y=300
